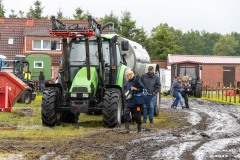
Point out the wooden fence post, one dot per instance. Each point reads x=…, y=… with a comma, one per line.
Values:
x=230, y=95
x=222, y=94
x=235, y=93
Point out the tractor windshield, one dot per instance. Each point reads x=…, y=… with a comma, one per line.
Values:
x=78, y=53
x=189, y=71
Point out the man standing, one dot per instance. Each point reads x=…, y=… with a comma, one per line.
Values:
x=152, y=84
x=41, y=79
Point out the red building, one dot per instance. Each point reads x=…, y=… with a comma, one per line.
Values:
x=223, y=69
x=22, y=36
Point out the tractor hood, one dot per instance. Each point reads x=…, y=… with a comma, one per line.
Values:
x=81, y=84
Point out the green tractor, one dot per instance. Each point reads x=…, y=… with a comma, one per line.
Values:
x=91, y=77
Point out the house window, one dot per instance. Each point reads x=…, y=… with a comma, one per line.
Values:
x=36, y=44
x=38, y=64
x=10, y=40
x=44, y=45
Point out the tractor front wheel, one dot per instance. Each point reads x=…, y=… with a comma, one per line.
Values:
x=48, y=108
x=112, y=108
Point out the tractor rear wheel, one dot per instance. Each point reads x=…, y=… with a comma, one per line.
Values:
x=112, y=108
x=48, y=108
x=198, y=90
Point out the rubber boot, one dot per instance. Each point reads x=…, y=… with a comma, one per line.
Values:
x=127, y=127
x=139, y=128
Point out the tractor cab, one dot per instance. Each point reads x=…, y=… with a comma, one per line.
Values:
x=20, y=68
x=193, y=71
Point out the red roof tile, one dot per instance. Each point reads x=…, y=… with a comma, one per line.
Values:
x=205, y=59
x=17, y=28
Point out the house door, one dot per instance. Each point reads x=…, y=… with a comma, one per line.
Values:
x=228, y=76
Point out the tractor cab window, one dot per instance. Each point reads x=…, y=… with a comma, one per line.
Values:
x=106, y=52
x=78, y=53
x=118, y=55
x=77, y=57
x=189, y=71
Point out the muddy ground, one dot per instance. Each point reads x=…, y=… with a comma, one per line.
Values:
x=212, y=131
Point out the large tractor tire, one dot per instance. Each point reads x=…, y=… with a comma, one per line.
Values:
x=198, y=90
x=157, y=105
x=68, y=117
x=48, y=108
x=112, y=108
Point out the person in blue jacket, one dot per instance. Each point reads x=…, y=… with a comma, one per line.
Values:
x=132, y=86
x=176, y=91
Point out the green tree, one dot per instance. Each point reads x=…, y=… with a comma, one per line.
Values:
x=225, y=46
x=2, y=10
x=178, y=38
x=79, y=14
x=209, y=40
x=140, y=36
x=60, y=14
x=162, y=42
x=127, y=25
x=21, y=14
x=37, y=11
x=111, y=18
x=193, y=43
x=13, y=15
x=237, y=38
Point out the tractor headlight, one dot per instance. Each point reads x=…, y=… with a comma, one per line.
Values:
x=85, y=95
x=74, y=95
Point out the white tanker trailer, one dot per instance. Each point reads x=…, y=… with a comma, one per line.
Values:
x=138, y=60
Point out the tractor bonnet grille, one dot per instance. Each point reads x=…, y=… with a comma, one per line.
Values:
x=79, y=89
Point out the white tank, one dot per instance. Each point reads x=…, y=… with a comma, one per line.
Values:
x=137, y=57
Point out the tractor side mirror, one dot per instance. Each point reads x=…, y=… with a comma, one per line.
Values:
x=125, y=45
x=200, y=67
x=53, y=45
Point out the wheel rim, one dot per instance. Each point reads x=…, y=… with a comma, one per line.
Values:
x=27, y=98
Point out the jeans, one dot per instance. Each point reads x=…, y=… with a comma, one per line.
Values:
x=41, y=86
x=149, y=109
x=178, y=99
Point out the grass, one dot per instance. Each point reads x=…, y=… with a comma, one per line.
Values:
x=215, y=99
x=34, y=103
x=22, y=127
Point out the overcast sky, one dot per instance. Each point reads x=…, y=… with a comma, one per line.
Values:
x=222, y=16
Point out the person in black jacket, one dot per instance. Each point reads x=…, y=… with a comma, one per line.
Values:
x=132, y=86
x=41, y=79
x=152, y=84
x=185, y=90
